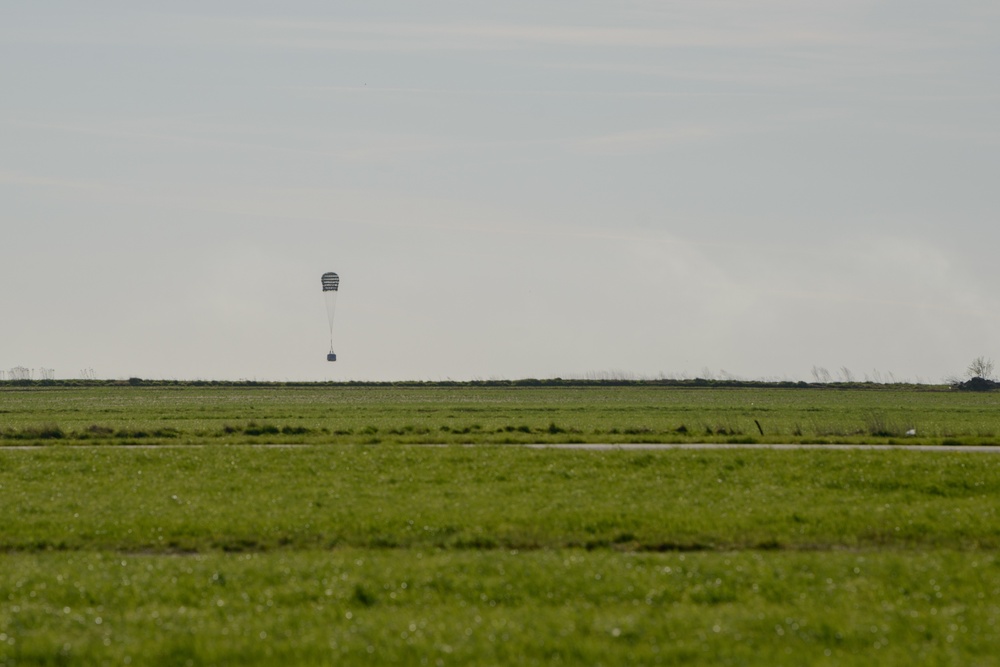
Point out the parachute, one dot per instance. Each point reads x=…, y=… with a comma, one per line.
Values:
x=331, y=281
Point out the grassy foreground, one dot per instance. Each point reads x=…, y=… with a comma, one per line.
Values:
x=348, y=414
x=493, y=555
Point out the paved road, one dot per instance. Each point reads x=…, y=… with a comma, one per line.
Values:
x=988, y=449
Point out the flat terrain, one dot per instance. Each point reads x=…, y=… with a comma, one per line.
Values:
x=347, y=414
x=346, y=553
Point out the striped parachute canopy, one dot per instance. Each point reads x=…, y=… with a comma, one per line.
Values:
x=331, y=281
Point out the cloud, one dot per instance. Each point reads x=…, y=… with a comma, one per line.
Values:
x=725, y=25
x=751, y=24
x=180, y=133
x=23, y=179
x=898, y=275
x=640, y=141
x=478, y=36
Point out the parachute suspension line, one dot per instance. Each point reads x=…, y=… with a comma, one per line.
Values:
x=331, y=283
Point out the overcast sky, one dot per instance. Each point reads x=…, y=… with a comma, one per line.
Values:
x=744, y=188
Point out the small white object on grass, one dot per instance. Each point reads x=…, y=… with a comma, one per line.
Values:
x=912, y=431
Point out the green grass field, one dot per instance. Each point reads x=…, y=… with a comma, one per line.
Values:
x=507, y=414
x=400, y=554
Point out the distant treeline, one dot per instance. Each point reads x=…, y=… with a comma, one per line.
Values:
x=526, y=382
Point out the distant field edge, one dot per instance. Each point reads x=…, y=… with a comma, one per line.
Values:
x=692, y=383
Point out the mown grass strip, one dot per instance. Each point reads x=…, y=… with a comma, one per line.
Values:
x=351, y=606
x=239, y=499
x=494, y=555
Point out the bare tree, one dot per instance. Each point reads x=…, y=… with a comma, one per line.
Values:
x=981, y=367
x=820, y=374
x=846, y=375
